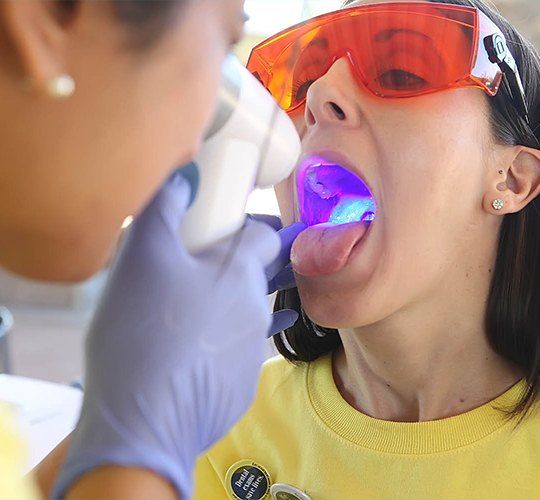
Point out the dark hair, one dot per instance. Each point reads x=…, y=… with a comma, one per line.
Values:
x=512, y=319
x=146, y=20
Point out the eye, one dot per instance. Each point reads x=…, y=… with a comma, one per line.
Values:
x=398, y=79
x=300, y=89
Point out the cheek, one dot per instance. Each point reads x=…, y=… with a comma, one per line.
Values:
x=285, y=197
x=297, y=117
x=179, y=98
x=197, y=88
x=285, y=191
x=426, y=207
x=191, y=75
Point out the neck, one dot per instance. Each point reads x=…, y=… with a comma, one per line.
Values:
x=418, y=365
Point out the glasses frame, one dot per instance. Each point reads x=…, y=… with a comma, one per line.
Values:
x=491, y=60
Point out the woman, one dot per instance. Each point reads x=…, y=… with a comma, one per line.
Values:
x=416, y=367
x=100, y=103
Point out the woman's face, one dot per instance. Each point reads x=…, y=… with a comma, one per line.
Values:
x=73, y=170
x=426, y=160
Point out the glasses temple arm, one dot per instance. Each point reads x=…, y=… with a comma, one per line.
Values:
x=499, y=54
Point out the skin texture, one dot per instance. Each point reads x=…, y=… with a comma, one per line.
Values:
x=410, y=303
x=73, y=170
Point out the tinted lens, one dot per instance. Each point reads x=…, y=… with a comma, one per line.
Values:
x=396, y=50
x=287, y=65
x=410, y=53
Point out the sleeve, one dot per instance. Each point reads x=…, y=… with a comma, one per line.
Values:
x=207, y=482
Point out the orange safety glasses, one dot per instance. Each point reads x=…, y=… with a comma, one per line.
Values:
x=395, y=50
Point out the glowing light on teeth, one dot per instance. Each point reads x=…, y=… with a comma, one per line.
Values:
x=329, y=193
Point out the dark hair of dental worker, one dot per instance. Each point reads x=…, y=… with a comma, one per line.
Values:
x=512, y=316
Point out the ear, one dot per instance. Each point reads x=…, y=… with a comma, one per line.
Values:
x=36, y=30
x=517, y=184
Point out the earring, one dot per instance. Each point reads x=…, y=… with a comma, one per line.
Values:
x=61, y=87
x=498, y=204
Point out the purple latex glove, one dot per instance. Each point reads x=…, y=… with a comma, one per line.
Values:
x=280, y=274
x=175, y=348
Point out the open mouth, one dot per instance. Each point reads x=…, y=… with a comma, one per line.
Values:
x=338, y=207
x=330, y=193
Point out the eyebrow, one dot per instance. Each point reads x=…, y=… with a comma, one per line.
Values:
x=386, y=35
x=318, y=42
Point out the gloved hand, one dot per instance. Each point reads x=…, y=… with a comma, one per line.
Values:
x=174, y=351
x=280, y=274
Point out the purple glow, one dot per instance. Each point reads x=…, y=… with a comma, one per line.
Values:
x=327, y=192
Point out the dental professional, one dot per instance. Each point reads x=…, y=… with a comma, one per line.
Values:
x=100, y=103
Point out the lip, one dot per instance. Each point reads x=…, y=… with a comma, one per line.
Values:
x=332, y=157
x=359, y=245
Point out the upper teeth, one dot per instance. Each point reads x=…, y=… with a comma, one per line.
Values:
x=316, y=186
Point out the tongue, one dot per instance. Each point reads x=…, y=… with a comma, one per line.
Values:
x=325, y=248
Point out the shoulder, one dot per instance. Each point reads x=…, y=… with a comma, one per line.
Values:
x=282, y=403
x=276, y=365
x=280, y=396
x=281, y=383
x=278, y=371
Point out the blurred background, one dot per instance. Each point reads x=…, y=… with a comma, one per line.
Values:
x=49, y=320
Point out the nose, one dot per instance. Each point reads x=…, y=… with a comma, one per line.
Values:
x=332, y=98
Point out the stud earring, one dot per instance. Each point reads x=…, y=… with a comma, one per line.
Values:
x=61, y=87
x=498, y=204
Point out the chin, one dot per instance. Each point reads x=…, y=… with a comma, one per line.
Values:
x=66, y=271
x=331, y=303
x=59, y=264
x=77, y=273
x=330, y=310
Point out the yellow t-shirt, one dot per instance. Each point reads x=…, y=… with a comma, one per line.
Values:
x=301, y=432
x=13, y=486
